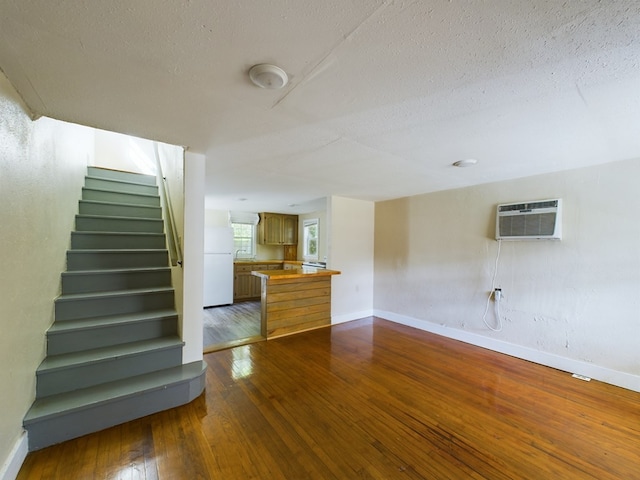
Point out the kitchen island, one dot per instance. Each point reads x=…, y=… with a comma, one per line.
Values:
x=294, y=300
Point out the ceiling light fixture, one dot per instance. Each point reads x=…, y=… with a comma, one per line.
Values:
x=268, y=76
x=469, y=162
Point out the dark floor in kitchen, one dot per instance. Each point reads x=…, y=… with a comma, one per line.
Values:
x=231, y=325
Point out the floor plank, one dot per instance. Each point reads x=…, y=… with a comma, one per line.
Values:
x=229, y=324
x=370, y=400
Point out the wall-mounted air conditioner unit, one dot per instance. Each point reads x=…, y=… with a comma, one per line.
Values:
x=533, y=220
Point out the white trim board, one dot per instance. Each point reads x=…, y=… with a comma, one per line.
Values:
x=603, y=374
x=11, y=466
x=336, y=319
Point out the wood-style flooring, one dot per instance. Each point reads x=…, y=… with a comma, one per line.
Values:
x=231, y=325
x=368, y=399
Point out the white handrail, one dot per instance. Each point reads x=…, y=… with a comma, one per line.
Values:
x=173, y=240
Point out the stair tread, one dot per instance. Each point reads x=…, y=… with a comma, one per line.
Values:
x=119, y=204
x=92, y=396
x=101, y=232
x=96, y=322
x=67, y=360
x=118, y=217
x=92, y=170
x=117, y=250
x=115, y=270
x=121, y=193
x=118, y=180
x=66, y=297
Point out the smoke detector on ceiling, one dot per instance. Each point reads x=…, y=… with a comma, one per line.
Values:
x=268, y=76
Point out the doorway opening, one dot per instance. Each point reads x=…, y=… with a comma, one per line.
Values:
x=231, y=325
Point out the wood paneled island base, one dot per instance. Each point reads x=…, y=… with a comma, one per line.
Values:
x=295, y=300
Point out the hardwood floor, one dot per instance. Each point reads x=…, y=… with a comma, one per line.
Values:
x=231, y=325
x=370, y=400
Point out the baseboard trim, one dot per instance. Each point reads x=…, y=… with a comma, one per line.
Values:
x=603, y=374
x=13, y=463
x=336, y=319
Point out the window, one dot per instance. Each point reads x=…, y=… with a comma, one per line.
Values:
x=244, y=240
x=244, y=233
x=310, y=233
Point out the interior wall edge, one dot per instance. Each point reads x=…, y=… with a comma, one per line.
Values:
x=596, y=372
x=349, y=317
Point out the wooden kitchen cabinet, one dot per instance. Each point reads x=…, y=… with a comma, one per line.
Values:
x=247, y=286
x=278, y=229
x=243, y=282
x=242, y=286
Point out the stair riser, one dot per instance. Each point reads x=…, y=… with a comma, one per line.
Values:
x=117, y=305
x=87, y=240
x=106, y=224
x=119, y=210
x=121, y=187
x=67, y=425
x=102, y=282
x=91, y=260
x=120, y=175
x=79, y=340
x=90, y=374
x=114, y=197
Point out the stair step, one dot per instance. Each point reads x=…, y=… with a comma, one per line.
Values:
x=73, y=371
x=112, y=209
x=98, y=332
x=101, y=304
x=61, y=417
x=119, y=197
x=117, y=240
x=119, y=186
x=121, y=175
x=86, y=281
x=102, y=259
x=101, y=223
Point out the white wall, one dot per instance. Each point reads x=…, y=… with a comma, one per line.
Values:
x=350, y=225
x=42, y=169
x=573, y=304
x=216, y=218
x=192, y=326
x=123, y=152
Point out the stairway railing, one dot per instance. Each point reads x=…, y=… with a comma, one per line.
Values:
x=173, y=240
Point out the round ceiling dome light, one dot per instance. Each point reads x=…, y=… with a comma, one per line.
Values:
x=468, y=162
x=268, y=76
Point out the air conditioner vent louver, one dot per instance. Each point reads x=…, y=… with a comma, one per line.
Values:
x=527, y=206
x=533, y=220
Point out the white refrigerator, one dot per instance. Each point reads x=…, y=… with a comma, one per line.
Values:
x=218, y=266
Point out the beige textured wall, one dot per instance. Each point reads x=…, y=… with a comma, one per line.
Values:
x=42, y=168
x=350, y=250
x=578, y=298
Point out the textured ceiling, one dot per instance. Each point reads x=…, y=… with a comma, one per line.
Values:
x=383, y=96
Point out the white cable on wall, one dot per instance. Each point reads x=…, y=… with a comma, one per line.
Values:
x=492, y=292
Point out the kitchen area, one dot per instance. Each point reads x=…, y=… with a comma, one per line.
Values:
x=265, y=275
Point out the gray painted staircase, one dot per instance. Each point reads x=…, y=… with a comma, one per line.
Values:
x=113, y=352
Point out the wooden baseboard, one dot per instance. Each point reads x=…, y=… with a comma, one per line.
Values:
x=288, y=334
x=233, y=343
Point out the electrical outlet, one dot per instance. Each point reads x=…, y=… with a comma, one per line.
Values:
x=497, y=294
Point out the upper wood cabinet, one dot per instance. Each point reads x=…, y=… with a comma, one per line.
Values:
x=278, y=229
